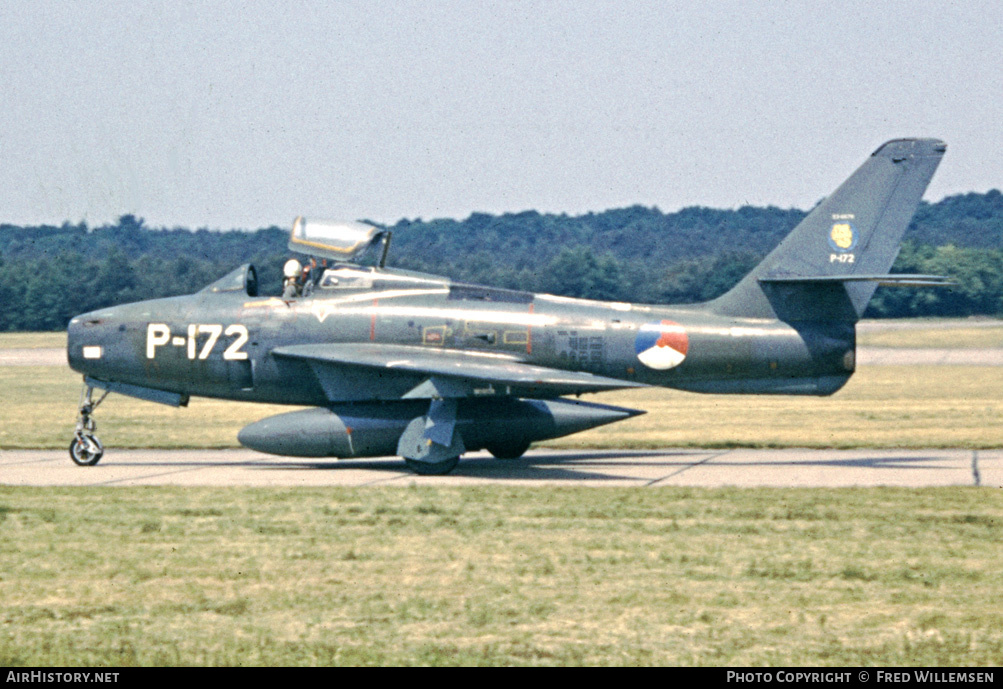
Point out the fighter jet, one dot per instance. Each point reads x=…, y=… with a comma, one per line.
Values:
x=393, y=362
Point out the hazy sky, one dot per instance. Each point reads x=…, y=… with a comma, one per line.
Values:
x=246, y=114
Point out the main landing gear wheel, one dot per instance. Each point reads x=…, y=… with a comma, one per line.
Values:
x=509, y=450
x=432, y=468
x=85, y=449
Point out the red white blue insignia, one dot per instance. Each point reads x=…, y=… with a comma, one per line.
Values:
x=661, y=345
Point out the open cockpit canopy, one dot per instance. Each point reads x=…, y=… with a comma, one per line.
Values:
x=333, y=239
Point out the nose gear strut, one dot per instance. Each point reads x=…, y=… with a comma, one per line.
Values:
x=85, y=449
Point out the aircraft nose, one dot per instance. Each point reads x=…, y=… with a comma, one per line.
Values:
x=87, y=339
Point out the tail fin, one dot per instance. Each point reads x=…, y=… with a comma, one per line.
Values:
x=828, y=267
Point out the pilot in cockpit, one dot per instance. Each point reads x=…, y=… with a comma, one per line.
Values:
x=292, y=279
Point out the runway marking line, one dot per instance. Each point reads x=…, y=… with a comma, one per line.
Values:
x=687, y=468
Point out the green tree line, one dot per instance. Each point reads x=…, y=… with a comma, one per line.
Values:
x=49, y=274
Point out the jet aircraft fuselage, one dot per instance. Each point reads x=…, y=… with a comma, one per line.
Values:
x=395, y=362
x=220, y=343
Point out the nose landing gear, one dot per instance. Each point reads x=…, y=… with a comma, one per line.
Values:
x=85, y=449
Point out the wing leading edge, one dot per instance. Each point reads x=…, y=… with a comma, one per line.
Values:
x=350, y=372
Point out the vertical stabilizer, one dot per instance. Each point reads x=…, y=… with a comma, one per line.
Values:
x=822, y=269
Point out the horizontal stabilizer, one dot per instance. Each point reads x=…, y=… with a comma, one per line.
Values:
x=894, y=280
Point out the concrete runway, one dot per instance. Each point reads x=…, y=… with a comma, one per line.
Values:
x=46, y=356
x=901, y=356
x=795, y=468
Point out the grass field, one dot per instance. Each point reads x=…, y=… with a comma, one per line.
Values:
x=935, y=336
x=32, y=340
x=500, y=576
x=40, y=407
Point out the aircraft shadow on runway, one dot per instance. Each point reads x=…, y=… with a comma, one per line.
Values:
x=609, y=465
x=596, y=465
x=533, y=466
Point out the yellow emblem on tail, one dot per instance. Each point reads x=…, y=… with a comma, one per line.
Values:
x=842, y=236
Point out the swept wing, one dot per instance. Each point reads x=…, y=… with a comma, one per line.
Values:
x=356, y=371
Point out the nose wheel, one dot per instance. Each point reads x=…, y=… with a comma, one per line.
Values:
x=85, y=449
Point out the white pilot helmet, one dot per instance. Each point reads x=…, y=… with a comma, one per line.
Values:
x=292, y=268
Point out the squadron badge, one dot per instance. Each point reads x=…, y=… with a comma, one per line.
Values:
x=842, y=237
